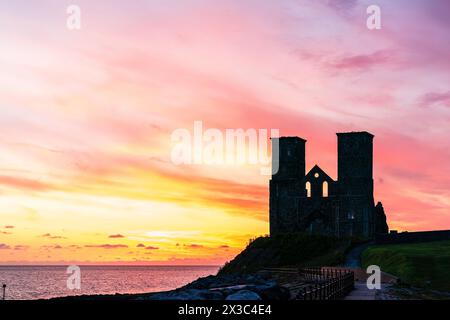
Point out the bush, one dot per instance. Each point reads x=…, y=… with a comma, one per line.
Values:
x=295, y=249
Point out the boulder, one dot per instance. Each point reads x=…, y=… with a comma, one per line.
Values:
x=188, y=294
x=243, y=295
x=271, y=291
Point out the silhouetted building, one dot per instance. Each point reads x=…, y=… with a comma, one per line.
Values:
x=313, y=202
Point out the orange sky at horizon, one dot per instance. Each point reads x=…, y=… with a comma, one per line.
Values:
x=86, y=119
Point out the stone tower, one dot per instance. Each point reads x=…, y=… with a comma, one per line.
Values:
x=355, y=183
x=285, y=184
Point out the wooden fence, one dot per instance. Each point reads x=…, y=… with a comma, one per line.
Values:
x=329, y=284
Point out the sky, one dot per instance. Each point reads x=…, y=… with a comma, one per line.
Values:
x=86, y=117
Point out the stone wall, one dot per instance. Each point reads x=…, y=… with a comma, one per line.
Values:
x=413, y=237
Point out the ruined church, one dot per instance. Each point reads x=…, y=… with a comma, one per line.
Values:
x=315, y=203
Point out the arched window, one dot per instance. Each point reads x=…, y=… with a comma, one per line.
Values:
x=308, y=189
x=325, y=189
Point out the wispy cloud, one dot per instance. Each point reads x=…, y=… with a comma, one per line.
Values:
x=116, y=236
x=21, y=247
x=24, y=183
x=107, y=246
x=194, y=246
x=363, y=61
x=50, y=236
x=431, y=99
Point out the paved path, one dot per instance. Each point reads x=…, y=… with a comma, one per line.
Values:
x=353, y=258
x=361, y=292
x=289, y=277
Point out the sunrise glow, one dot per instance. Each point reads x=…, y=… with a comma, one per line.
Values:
x=86, y=118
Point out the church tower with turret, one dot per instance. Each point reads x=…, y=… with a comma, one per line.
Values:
x=315, y=203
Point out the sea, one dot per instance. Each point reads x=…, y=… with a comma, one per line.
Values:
x=44, y=282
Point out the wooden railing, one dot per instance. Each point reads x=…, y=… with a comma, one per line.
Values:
x=314, y=283
x=330, y=284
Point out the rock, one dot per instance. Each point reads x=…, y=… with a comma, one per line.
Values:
x=234, y=287
x=202, y=283
x=213, y=295
x=243, y=295
x=188, y=294
x=271, y=291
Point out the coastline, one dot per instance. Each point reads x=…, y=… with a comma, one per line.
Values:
x=44, y=282
x=213, y=287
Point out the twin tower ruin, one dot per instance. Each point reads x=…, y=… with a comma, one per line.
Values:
x=315, y=203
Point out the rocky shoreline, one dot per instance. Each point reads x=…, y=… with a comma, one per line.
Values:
x=214, y=287
x=226, y=287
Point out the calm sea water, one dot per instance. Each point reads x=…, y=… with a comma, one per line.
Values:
x=42, y=282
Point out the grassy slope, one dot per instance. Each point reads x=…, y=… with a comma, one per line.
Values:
x=288, y=250
x=425, y=265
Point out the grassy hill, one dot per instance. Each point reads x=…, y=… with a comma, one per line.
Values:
x=288, y=250
x=424, y=265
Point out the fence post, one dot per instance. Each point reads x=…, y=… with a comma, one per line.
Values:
x=319, y=293
x=4, y=291
x=353, y=280
x=334, y=288
x=322, y=292
x=327, y=290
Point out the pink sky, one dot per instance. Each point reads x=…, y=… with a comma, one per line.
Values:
x=86, y=118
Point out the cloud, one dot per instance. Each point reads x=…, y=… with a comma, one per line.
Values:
x=341, y=5
x=194, y=246
x=106, y=246
x=225, y=246
x=56, y=246
x=140, y=245
x=20, y=247
x=9, y=227
x=74, y=246
x=116, y=236
x=151, y=248
x=24, y=183
x=48, y=235
x=435, y=99
x=363, y=61
x=4, y=246
x=5, y=232
x=171, y=234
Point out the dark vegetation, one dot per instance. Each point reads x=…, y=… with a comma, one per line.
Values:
x=295, y=249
